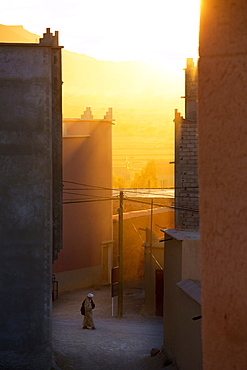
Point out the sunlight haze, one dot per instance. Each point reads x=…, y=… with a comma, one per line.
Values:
x=115, y=30
x=128, y=55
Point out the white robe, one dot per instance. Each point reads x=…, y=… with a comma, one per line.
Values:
x=88, y=318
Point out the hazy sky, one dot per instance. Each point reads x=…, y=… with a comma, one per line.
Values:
x=117, y=30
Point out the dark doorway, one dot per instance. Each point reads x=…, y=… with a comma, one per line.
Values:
x=159, y=291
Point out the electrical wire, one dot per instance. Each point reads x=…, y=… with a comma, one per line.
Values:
x=92, y=186
x=134, y=227
x=161, y=205
x=101, y=198
x=85, y=201
x=128, y=189
x=184, y=207
x=85, y=195
x=74, y=201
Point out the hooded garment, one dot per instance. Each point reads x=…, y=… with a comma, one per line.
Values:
x=88, y=318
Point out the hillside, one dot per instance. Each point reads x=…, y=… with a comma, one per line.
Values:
x=17, y=34
x=143, y=97
x=140, y=93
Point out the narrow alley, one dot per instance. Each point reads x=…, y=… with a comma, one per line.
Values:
x=116, y=343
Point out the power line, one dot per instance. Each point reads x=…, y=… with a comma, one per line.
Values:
x=75, y=201
x=128, y=189
x=85, y=201
x=92, y=186
x=115, y=196
x=184, y=207
x=85, y=195
x=163, y=205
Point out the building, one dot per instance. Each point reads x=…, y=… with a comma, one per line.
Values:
x=154, y=273
x=186, y=194
x=222, y=154
x=31, y=197
x=86, y=258
x=182, y=298
x=182, y=281
x=186, y=174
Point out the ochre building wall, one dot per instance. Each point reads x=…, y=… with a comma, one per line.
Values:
x=134, y=235
x=182, y=335
x=223, y=182
x=87, y=209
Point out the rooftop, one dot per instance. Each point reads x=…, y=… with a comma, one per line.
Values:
x=181, y=234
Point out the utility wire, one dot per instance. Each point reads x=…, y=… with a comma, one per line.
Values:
x=185, y=207
x=128, y=189
x=138, y=233
x=74, y=201
x=107, y=199
x=92, y=186
x=85, y=201
x=85, y=195
x=161, y=205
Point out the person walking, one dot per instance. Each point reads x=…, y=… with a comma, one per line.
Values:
x=88, y=317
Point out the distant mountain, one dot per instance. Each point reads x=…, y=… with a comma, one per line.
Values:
x=143, y=97
x=140, y=93
x=17, y=34
x=105, y=76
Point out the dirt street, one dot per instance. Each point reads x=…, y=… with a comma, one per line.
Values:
x=117, y=343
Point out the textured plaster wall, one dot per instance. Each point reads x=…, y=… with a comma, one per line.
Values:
x=79, y=279
x=182, y=335
x=191, y=260
x=223, y=182
x=26, y=194
x=134, y=235
x=153, y=260
x=86, y=225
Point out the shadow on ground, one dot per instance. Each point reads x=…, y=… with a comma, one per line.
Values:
x=117, y=343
